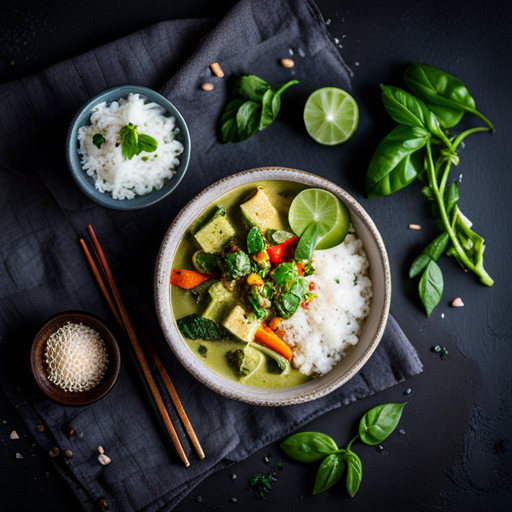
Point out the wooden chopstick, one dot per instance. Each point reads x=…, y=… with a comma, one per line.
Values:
x=154, y=354
x=137, y=348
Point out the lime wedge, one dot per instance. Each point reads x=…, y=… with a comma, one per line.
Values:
x=326, y=210
x=339, y=231
x=331, y=116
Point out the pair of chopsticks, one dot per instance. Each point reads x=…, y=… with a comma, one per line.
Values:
x=120, y=313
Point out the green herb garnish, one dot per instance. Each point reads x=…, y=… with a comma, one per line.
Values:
x=202, y=350
x=422, y=147
x=355, y=279
x=134, y=143
x=255, y=107
x=375, y=426
x=144, y=158
x=98, y=139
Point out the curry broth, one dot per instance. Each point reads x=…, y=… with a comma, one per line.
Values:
x=281, y=194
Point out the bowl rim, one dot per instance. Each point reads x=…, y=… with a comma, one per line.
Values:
x=202, y=372
x=79, y=175
x=112, y=347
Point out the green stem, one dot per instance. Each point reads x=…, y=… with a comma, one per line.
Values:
x=453, y=147
x=463, y=258
x=350, y=444
x=480, y=116
x=463, y=135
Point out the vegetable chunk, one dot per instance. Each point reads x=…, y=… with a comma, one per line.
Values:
x=240, y=325
x=258, y=211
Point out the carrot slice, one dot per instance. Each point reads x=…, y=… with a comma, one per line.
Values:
x=187, y=279
x=271, y=340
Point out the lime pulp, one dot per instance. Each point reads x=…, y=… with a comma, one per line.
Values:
x=331, y=116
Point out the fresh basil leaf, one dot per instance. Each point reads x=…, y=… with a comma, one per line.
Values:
x=431, y=286
x=427, y=192
x=147, y=143
x=267, y=112
x=285, y=272
x=451, y=197
x=308, y=446
x=432, y=252
x=248, y=119
x=378, y=423
x=255, y=242
x=229, y=129
x=405, y=109
x=129, y=141
x=98, y=139
x=396, y=161
x=329, y=472
x=307, y=242
x=354, y=473
x=444, y=94
x=251, y=87
x=271, y=103
x=287, y=304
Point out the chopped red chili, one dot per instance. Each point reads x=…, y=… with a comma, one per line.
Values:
x=283, y=252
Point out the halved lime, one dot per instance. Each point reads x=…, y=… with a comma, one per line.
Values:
x=331, y=116
x=322, y=207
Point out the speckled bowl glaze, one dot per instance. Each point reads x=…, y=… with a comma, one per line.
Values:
x=347, y=367
x=86, y=182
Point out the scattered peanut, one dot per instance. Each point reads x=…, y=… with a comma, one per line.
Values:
x=207, y=87
x=40, y=428
x=287, y=63
x=415, y=226
x=68, y=454
x=54, y=452
x=457, y=303
x=104, y=459
x=14, y=435
x=216, y=69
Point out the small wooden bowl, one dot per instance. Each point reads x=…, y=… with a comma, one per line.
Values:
x=40, y=368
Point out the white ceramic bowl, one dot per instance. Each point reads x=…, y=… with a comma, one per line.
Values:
x=347, y=367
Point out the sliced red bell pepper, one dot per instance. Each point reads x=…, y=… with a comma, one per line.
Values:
x=283, y=252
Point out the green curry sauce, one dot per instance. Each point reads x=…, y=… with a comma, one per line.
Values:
x=185, y=302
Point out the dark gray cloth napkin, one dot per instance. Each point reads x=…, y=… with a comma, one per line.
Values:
x=43, y=214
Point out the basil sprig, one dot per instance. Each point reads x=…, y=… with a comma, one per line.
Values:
x=134, y=143
x=421, y=147
x=255, y=108
x=375, y=426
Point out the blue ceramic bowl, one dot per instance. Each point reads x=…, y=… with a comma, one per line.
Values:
x=86, y=183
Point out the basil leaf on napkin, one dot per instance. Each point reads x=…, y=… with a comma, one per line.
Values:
x=254, y=111
x=354, y=473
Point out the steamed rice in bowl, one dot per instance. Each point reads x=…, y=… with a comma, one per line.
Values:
x=145, y=172
x=321, y=334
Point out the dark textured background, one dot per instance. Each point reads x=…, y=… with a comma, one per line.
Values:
x=454, y=453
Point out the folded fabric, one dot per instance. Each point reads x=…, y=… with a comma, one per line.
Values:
x=44, y=214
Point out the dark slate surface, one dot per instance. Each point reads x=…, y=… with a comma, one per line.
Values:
x=455, y=450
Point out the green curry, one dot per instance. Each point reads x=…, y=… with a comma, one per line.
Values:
x=239, y=253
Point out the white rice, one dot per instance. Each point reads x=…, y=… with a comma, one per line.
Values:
x=145, y=172
x=320, y=335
